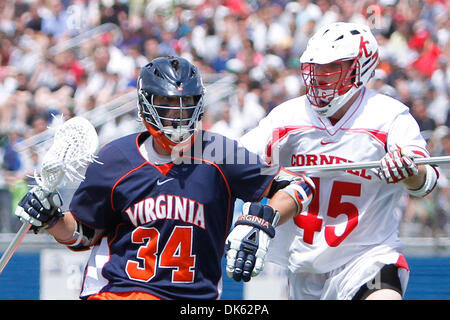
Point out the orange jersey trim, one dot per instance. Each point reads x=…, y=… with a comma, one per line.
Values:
x=137, y=295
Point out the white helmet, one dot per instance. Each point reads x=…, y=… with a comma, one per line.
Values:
x=336, y=43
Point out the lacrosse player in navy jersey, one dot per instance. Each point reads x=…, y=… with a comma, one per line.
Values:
x=157, y=207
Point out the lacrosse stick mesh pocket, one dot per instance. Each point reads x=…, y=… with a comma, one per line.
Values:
x=74, y=146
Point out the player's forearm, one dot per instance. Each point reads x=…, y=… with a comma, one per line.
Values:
x=64, y=228
x=417, y=181
x=284, y=204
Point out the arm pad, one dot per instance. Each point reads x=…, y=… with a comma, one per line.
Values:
x=300, y=188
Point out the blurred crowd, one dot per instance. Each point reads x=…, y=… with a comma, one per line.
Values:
x=257, y=41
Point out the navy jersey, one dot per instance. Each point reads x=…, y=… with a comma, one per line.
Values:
x=165, y=226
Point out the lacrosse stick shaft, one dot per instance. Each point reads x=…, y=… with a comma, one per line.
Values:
x=13, y=245
x=364, y=165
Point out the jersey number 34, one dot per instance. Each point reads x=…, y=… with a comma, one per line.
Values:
x=312, y=223
x=176, y=254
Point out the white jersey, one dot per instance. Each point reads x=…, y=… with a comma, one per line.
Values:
x=354, y=210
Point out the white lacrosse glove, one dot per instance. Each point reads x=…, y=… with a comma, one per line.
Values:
x=40, y=208
x=397, y=166
x=248, y=242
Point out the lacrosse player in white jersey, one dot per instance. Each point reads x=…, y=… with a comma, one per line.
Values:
x=346, y=244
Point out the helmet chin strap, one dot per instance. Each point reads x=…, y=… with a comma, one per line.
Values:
x=168, y=145
x=348, y=101
x=336, y=103
x=176, y=134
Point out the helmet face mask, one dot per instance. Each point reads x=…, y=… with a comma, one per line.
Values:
x=170, y=101
x=177, y=121
x=326, y=82
x=339, y=60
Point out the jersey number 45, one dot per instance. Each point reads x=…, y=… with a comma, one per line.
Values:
x=312, y=223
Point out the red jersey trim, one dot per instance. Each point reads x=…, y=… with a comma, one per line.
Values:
x=282, y=133
x=379, y=136
x=279, y=134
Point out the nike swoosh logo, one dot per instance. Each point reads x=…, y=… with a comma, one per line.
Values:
x=325, y=142
x=159, y=183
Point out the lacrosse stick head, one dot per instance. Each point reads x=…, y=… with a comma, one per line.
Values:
x=74, y=145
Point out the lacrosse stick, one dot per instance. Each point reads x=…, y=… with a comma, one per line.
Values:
x=73, y=148
x=364, y=165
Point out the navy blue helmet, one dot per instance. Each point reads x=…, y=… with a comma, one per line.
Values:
x=171, y=77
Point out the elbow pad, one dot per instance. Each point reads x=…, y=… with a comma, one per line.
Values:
x=300, y=188
x=431, y=177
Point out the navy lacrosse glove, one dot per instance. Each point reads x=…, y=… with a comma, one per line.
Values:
x=249, y=240
x=40, y=208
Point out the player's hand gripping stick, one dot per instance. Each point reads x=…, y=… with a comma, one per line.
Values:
x=40, y=208
x=248, y=242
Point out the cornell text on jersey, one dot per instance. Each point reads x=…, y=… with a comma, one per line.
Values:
x=170, y=207
x=300, y=160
